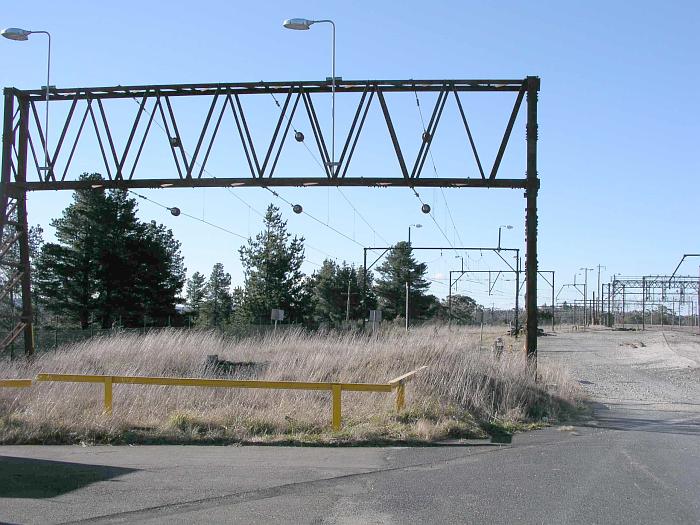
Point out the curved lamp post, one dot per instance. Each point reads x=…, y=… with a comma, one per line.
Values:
x=507, y=227
x=409, y=230
x=302, y=24
x=15, y=33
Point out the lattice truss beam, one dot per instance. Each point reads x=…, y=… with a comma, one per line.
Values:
x=88, y=118
x=656, y=288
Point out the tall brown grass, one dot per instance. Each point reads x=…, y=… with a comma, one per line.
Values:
x=463, y=391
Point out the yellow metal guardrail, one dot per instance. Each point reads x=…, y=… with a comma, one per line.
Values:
x=336, y=389
x=15, y=383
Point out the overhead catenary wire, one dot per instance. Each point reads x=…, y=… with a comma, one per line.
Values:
x=199, y=164
x=276, y=194
x=208, y=223
x=232, y=193
x=320, y=165
x=435, y=221
x=432, y=160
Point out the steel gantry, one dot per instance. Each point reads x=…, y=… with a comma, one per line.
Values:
x=626, y=295
x=86, y=113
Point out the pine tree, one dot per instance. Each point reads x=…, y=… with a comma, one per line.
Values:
x=463, y=309
x=196, y=293
x=329, y=289
x=216, y=308
x=273, y=278
x=399, y=268
x=107, y=266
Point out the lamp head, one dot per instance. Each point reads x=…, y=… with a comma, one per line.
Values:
x=300, y=24
x=15, y=33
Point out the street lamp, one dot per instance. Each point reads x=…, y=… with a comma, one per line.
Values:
x=507, y=227
x=585, y=293
x=409, y=231
x=302, y=24
x=15, y=33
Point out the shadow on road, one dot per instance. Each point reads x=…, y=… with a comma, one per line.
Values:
x=39, y=478
x=643, y=420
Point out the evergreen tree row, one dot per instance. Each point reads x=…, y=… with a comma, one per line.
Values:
x=109, y=269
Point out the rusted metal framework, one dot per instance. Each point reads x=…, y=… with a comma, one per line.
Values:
x=88, y=112
x=625, y=296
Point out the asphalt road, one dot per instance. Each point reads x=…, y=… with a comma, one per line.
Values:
x=637, y=462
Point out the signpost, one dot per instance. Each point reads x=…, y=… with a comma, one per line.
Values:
x=375, y=317
x=276, y=315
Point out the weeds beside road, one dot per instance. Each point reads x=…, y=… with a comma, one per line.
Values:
x=464, y=393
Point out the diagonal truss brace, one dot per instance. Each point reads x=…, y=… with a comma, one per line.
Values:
x=154, y=105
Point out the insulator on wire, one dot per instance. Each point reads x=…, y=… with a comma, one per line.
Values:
x=297, y=209
x=299, y=136
x=175, y=211
x=425, y=208
x=426, y=136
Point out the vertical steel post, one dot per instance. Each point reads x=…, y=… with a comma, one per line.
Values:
x=400, y=397
x=449, y=302
x=585, y=294
x=532, y=187
x=336, y=390
x=21, y=178
x=108, y=395
x=644, y=299
x=364, y=288
x=408, y=291
x=517, y=291
x=8, y=140
x=623, y=306
x=553, y=308
x=347, y=306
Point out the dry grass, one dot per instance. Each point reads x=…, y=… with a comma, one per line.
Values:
x=463, y=392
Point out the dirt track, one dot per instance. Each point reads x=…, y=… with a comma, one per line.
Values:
x=653, y=368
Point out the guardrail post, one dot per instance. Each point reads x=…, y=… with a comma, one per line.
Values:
x=108, y=395
x=336, y=389
x=400, y=396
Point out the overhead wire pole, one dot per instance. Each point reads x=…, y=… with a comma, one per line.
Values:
x=456, y=248
x=532, y=187
x=23, y=227
x=599, y=291
x=685, y=256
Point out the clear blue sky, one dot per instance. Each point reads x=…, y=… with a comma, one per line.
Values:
x=618, y=120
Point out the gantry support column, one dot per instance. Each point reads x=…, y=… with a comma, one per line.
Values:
x=14, y=239
x=532, y=187
x=23, y=227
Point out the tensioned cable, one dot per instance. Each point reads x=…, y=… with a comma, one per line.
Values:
x=320, y=165
x=249, y=206
x=436, y=222
x=204, y=221
x=432, y=160
x=197, y=163
x=314, y=218
x=169, y=208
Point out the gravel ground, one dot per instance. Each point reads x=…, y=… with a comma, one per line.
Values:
x=626, y=368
